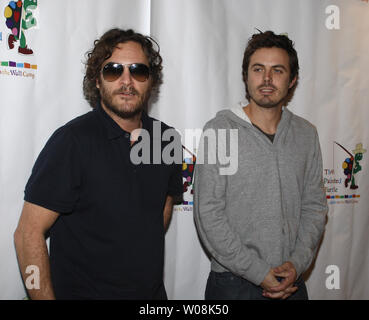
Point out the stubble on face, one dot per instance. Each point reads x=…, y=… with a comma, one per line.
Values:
x=125, y=97
x=269, y=91
x=125, y=109
x=265, y=101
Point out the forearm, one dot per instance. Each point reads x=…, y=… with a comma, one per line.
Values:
x=168, y=208
x=32, y=251
x=309, y=235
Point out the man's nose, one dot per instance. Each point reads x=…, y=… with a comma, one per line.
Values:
x=268, y=78
x=126, y=77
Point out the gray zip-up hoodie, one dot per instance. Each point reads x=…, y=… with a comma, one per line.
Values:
x=273, y=209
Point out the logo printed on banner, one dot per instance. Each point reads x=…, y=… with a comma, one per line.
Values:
x=343, y=188
x=188, y=167
x=19, y=18
x=351, y=165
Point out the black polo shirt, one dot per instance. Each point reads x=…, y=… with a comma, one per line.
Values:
x=108, y=242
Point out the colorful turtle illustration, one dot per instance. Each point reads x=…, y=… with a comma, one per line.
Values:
x=351, y=165
x=19, y=17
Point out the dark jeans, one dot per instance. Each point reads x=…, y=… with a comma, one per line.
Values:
x=158, y=293
x=227, y=286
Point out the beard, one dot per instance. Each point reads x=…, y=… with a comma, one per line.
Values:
x=124, y=109
x=267, y=101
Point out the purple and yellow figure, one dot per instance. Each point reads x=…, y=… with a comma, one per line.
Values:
x=347, y=169
x=19, y=17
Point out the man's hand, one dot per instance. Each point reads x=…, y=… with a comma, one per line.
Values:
x=269, y=281
x=284, y=288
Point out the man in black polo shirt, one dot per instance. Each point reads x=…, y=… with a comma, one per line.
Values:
x=106, y=214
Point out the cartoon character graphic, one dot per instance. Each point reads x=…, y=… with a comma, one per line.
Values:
x=19, y=18
x=351, y=165
x=187, y=174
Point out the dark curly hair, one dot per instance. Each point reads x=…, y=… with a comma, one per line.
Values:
x=269, y=39
x=103, y=49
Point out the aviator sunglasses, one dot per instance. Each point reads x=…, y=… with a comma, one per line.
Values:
x=112, y=71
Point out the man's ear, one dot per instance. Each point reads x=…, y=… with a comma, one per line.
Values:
x=292, y=83
x=97, y=83
x=244, y=77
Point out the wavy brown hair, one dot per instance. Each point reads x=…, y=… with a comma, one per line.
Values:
x=269, y=39
x=103, y=49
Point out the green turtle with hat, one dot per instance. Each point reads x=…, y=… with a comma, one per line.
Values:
x=358, y=152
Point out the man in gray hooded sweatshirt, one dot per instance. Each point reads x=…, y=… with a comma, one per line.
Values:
x=262, y=224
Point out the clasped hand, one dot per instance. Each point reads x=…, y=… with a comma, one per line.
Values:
x=280, y=290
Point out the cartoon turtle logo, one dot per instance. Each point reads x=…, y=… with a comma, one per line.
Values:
x=19, y=18
x=351, y=165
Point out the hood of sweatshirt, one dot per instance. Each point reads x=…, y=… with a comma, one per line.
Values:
x=237, y=114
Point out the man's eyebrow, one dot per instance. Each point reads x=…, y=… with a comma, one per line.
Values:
x=280, y=66
x=257, y=64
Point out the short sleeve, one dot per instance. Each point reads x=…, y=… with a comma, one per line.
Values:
x=175, y=187
x=55, y=179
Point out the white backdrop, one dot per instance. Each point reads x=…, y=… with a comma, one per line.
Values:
x=202, y=44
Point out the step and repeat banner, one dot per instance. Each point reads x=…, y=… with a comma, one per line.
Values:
x=42, y=51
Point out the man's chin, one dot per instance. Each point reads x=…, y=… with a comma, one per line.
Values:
x=269, y=104
x=126, y=113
